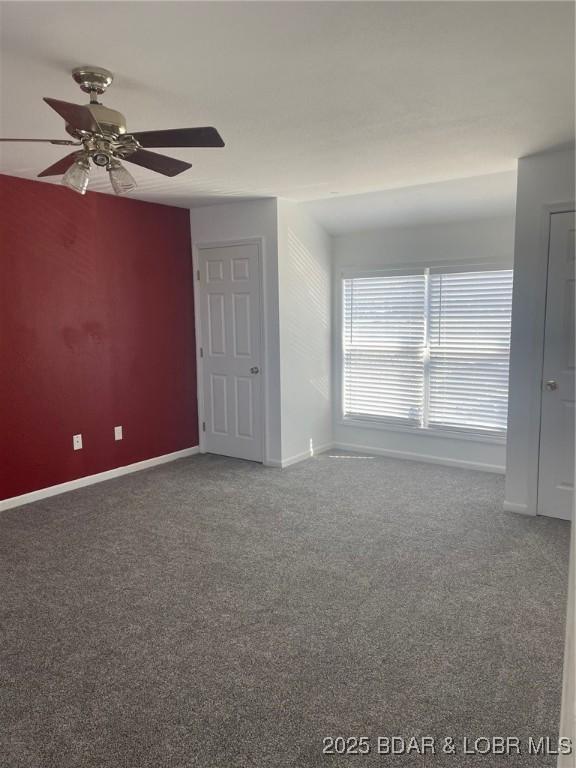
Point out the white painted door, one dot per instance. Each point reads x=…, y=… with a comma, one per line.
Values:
x=556, y=472
x=230, y=301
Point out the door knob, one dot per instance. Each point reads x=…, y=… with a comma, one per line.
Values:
x=551, y=385
x=255, y=369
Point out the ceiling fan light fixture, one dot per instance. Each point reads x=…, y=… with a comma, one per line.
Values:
x=78, y=175
x=121, y=179
x=101, y=159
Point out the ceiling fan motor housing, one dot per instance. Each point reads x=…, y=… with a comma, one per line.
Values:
x=111, y=121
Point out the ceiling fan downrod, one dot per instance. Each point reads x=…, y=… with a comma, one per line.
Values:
x=93, y=80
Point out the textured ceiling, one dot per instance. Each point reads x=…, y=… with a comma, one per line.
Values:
x=312, y=99
x=443, y=201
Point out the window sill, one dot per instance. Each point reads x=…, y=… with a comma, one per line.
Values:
x=386, y=426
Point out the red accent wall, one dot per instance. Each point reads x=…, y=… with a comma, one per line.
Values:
x=96, y=330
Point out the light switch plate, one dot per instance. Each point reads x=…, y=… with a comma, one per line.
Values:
x=118, y=433
x=77, y=442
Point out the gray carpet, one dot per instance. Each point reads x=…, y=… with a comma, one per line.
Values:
x=213, y=612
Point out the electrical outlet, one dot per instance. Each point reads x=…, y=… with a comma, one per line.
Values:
x=77, y=442
x=118, y=433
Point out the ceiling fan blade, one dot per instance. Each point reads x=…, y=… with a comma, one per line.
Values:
x=61, y=166
x=169, y=166
x=75, y=115
x=180, y=137
x=62, y=142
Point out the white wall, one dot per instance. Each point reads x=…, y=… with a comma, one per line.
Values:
x=481, y=240
x=240, y=221
x=543, y=180
x=304, y=268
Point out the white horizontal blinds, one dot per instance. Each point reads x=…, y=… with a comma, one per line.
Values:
x=384, y=328
x=469, y=347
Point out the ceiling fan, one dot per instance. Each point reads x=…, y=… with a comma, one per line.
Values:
x=102, y=134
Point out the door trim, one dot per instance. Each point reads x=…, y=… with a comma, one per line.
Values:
x=547, y=212
x=196, y=248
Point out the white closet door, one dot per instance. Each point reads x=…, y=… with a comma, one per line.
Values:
x=556, y=472
x=230, y=301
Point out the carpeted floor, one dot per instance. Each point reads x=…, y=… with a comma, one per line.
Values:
x=213, y=612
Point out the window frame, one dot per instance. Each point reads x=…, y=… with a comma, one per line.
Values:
x=406, y=268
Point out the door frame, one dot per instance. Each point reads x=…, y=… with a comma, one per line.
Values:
x=196, y=248
x=547, y=212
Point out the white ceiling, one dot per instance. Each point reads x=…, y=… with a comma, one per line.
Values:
x=312, y=98
x=454, y=200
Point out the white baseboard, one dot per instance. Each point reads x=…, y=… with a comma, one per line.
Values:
x=426, y=458
x=298, y=457
x=72, y=485
x=512, y=506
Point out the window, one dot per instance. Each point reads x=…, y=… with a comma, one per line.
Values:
x=428, y=349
